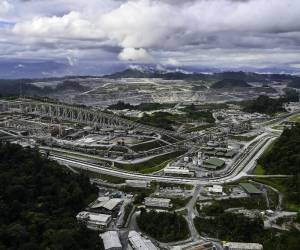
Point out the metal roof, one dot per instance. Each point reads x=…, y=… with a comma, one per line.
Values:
x=215, y=161
x=249, y=188
x=111, y=240
x=140, y=243
x=245, y=246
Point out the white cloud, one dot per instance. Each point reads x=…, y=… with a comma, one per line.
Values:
x=172, y=61
x=5, y=7
x=172, y=31
x=132, y=54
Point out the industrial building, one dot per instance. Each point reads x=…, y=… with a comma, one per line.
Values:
x=111, y=240
x=242, y=246
x=138, y=183
x=106, y=205
x=213, y=163
x=137, y=242
x=157, y=202
x=93, y=220
x=250, y=189
x=178, y=170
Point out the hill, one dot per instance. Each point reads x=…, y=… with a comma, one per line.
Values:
x=39, y=201
x=294, y=84
x=230, y=83
x=284, y=158
x=27, y=86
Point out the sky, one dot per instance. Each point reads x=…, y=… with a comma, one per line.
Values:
x=97, y=36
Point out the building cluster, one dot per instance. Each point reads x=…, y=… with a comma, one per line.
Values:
x=100, y=213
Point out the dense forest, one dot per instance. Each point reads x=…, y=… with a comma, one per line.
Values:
x=28, y=88
x=172, y=227
x=144, y=106
x=266, y=105
x=231, y=227
x=230, y=83
x=237, y=227
x=39, y=201
x=284, y=156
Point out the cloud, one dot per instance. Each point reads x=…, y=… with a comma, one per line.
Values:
x=166, y=31
x=5, y=7
x=172, y=61
x=132, y=54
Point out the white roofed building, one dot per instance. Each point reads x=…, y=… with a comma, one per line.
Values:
x=157, y=202
x=137, y=242
x=242, y=246
x=93, y=220
x=111, y=240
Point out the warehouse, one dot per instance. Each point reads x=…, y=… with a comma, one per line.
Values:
x=106, y=206
x=94, y=221
x=242, y=246
x=137, y=242
x=138, y=183
x=213, y=163
x=250, y=189
x=157, y=202
x=181, y=171
x=111, y=240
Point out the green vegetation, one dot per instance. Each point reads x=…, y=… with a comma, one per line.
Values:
x=248, y=203
x=148, y=145
x=163, y=120
x=155, y=164
x=172, y=227
x=284, y=156
x=104, y=177
x=193, y=113
x=259, y=170
x=142, y=107
x=175, y=185
x=39, y=201
x=169, y=121
x=179, y=203
x=239, y=228
x=295, y=118
x=230, y=83
x=270, y=106
x=200, y=127
x=289, y=187
x=127, y=210
x=242, y=138
x=231, y=227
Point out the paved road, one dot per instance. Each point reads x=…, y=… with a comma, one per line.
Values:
x=241, y=168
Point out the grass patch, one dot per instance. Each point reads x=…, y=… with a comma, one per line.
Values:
x=242, y=138
x=104, y=177
x=155, y=164
x=200, y=127
x=281, y=184
x=179, y=203
x=148, y=145
x=259, y=170
x=295, y=118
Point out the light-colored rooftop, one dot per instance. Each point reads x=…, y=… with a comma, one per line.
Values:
x=111, y=240
x=242, y=245
x=140, y=243
x=99, y=218
x=108, y=204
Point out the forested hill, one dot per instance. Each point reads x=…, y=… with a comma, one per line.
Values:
x=230, y=83
x=39, y=201
x=284, y=156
